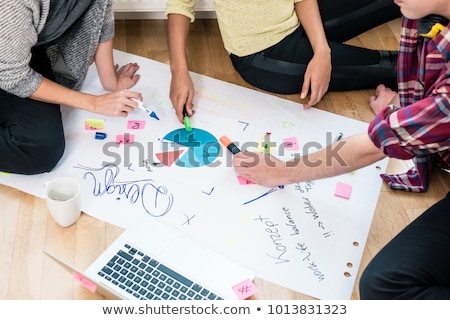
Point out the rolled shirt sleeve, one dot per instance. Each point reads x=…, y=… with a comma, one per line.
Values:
x=416, y=130
x=185, y=8
x=108, y=28
x=420, y=132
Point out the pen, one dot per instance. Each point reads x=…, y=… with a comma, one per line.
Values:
x=229, y=145
x=141, y=106
x=187, y=122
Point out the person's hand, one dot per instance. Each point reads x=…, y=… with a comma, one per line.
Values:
x=126, y=76
x=117, y=103
x=382, y=98
x=317, y=78
x=181, y=94
x=260, y=168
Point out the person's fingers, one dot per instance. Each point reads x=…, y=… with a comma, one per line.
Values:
x=305, y=87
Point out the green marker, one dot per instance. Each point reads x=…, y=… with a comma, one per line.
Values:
x=187, y=122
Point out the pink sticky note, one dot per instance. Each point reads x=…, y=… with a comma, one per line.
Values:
x=343, y=190
x=84, y=282
x=125, y=138
x=136, y=124
x=290, y=143
x=245, y=289
x=244, y=181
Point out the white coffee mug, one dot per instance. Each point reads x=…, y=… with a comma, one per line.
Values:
x=62, y=196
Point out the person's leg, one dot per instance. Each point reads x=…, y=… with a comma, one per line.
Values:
x=31, y=132
x=345, y=19
x=31, y=135
x=416, y=263
x=281, y=68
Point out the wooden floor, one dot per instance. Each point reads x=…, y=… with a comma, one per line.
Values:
x=26, y=227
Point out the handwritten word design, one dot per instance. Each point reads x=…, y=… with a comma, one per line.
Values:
x=154, y=199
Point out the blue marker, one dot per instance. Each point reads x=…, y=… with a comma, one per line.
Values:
x=100, y=135
x=151, y=113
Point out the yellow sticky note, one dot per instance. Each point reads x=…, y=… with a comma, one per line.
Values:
x=94, y=124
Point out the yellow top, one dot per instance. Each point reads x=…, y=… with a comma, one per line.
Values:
x=247, y=26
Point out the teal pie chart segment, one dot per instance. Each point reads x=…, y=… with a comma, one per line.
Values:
x=196, y=148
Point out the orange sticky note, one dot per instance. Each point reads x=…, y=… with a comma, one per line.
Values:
x=245, y=289
x=343, y=190
x=85, y=282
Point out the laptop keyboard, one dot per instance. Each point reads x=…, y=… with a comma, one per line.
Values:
x=147, y=279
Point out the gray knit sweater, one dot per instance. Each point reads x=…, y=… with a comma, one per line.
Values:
x=20, y=24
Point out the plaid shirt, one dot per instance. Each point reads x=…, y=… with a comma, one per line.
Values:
x=420, y=128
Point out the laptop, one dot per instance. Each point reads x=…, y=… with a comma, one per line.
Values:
x=154, y=261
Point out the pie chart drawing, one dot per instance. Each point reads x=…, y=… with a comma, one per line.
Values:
x=188, y=149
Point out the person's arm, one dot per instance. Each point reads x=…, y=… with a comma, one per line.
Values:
x=318, y=73
x=116, y=103
x=341, y=157
x=111, y=76
x=181, y=86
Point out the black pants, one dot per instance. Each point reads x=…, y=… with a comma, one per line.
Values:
x=281, y=68
x=31, y=132
x=416, y=263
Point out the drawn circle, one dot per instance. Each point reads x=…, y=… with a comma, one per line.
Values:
x=188, y=149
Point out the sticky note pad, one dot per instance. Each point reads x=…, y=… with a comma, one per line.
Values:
x=125, y=138
x=136, y=124
x=343, y=190
x=94, y=124
x=290, y=143
x=245, y=289
x=84, y=282
x=244, y=181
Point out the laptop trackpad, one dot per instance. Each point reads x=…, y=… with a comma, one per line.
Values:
x=206, y=266
x=190, y=255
